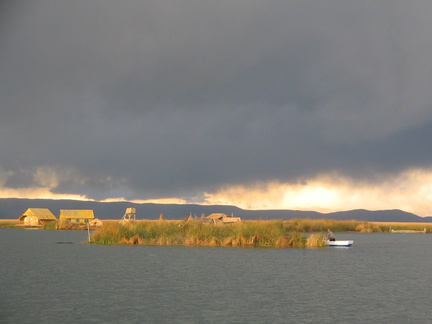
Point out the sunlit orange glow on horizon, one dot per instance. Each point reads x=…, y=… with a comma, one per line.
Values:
x=38, y=193
x=44, y=193
x=410, y=191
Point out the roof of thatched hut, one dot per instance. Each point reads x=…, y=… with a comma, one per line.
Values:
x=217, y=216
x=40, y=213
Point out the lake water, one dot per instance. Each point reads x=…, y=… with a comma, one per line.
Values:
x=382, y=278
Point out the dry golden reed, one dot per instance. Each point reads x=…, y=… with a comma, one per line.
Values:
x=241, y=234
x=8, y=223
x=273, y=233
x=316, y=240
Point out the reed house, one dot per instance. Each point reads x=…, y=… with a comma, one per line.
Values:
x=220, y=218
x=36, y=217
x=77, y=216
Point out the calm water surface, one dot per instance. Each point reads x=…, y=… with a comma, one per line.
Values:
x=383, y=278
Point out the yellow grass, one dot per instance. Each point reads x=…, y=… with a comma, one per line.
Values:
x=272, y=233
x=8, y=222
x=316, y=240
x=257, y=228
x=387, y=226
x=190, y=233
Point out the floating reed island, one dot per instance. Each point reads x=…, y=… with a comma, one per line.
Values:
x=241, y=234
x=260, y=233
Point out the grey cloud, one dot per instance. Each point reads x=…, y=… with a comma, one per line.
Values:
x=161, y=98
x=20, y=179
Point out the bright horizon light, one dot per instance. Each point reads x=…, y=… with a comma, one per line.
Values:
x=410, y=191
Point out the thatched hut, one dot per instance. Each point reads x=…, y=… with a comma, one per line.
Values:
x=223, y=218
x=96, y=222
x=78, y=216
x=36, y=217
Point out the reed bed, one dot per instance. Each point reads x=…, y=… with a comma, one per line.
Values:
x=65, y=225
x=50, y=226
x=241, y=234
x=259, y=233
x=316, y=241
x=4, y=223
x=321, y=225
x=269, y=233
x=388, y=226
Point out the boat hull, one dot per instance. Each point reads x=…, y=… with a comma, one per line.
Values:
x=340, y=243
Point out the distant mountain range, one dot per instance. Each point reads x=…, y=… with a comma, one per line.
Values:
x=11, y=208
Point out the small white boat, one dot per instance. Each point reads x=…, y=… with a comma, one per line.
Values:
x=340, y=243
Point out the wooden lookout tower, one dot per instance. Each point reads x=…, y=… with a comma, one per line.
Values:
x=130, y=214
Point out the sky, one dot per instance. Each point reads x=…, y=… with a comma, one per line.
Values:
x=321, y=105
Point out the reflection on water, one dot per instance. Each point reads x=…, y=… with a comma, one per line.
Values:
x=383, y=278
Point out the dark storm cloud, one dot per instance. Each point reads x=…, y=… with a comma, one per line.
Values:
x=161, y=98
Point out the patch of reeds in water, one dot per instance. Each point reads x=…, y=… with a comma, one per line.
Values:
x=241, y=234
x=109, y=233
x=4, y=223
x=321, y=225
x=316, y=241
x=366, y=227
x=272, y=233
